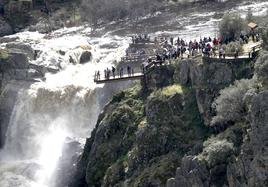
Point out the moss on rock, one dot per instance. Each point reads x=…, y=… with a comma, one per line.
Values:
x=139, y=140
x=4, y=54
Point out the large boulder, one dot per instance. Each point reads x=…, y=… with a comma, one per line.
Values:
x=85, y=57
x=18, y=13
x=21, y=74
x=18, y=60
x=5, y=28
x=8, y=39
x=18, y=47
x=14, y=65
x=45, y=26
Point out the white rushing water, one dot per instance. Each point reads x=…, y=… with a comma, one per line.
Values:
x=67, y=103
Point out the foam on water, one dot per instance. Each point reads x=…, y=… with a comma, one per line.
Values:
x=66, y=104
x=257, y=8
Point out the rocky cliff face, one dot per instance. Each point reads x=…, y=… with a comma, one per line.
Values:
x=235, y=156
x=208, y=78
x=14, y=64
x=16, y=72
x=140, y=136
x=8, y=99
x=5, y=28
x=145, y=135
x=251, y=166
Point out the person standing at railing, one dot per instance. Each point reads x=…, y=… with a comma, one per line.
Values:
x=221, y=52
x=215, y=42
x=209, y=39
x=121, y=72
x=105, y=74
x=129, y=71
x=214, y=51
x=236, y=52
x=97, y=77
x=178, y=41
x=113, y=70
x=187, y=52
x=178, y=51
x=118, y=71
x=108, y=73
x=257, y=37
x=142, y=68
x=171, y=41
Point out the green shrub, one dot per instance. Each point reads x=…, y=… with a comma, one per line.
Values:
x=261, y=68
x=231, y=27
x=216, y=151
x=230, y=105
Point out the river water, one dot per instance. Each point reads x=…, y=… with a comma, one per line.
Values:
x=67, y=104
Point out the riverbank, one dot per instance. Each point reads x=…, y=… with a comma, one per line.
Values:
x=30, y=15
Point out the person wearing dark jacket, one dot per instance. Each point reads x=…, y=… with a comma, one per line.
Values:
x=113, y=70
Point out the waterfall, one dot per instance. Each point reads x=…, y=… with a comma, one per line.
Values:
x=38, y=126
x=64, y=105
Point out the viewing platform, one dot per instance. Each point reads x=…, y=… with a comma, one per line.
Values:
x=249, y=52
x=148, y=62
x=118, y=78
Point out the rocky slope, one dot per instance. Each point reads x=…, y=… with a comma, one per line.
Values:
x=39, y=15
x=149, y=134
x=136, y=135
x=236, y=156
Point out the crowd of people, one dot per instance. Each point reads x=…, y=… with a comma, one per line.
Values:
x=178, y=48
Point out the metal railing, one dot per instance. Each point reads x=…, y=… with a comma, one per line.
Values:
x=133, y=73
